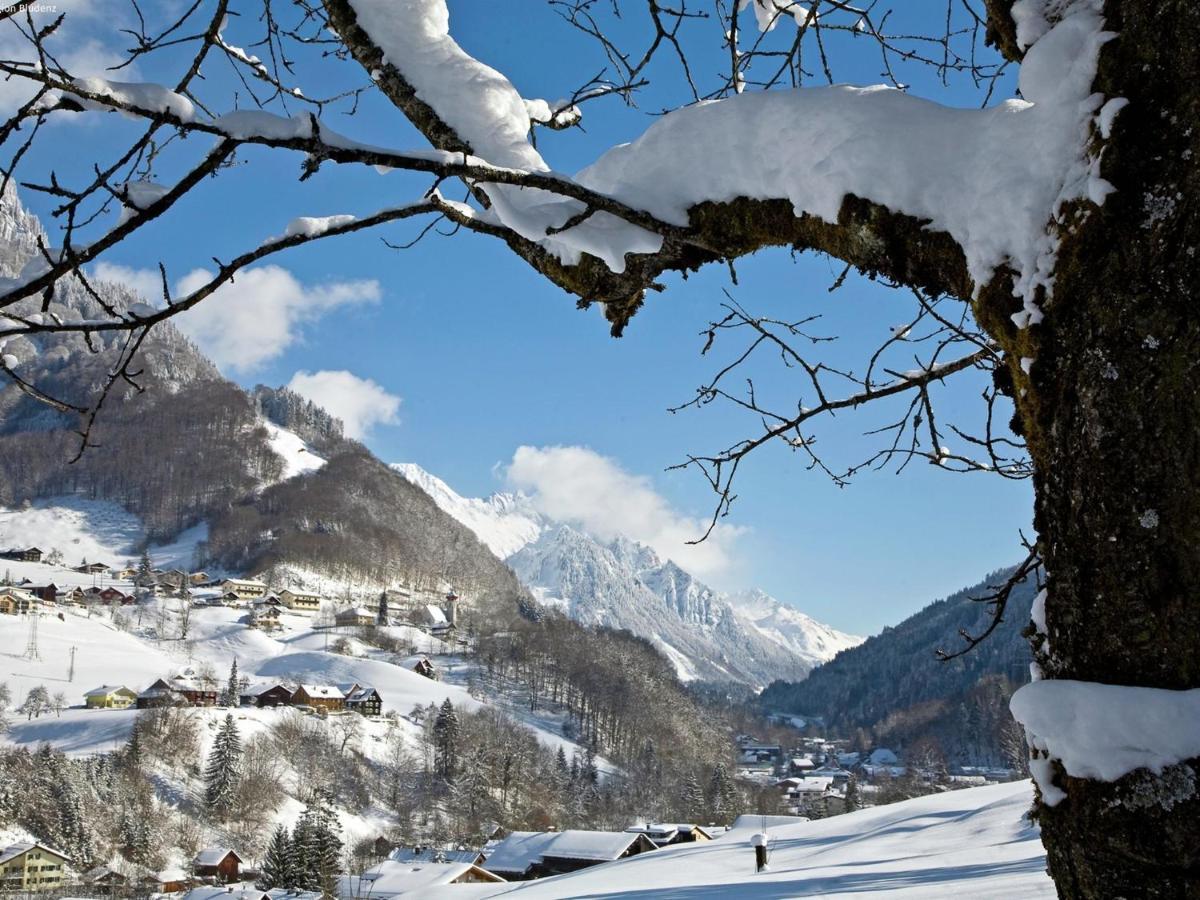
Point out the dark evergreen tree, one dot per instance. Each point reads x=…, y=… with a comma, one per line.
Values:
x=279, y=863
x=145, y=571
x=853, y=796
x=692, y=799
x=232, y=694
x=445, y=736
x=222, y=772
x=383, y=609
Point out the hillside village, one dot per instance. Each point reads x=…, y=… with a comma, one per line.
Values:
x=795, y=778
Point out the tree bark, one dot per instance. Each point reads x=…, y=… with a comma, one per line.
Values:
x=1111, y=412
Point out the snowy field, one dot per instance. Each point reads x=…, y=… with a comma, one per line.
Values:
x=973, y=844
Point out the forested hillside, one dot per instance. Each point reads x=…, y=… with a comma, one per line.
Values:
x=893, y=689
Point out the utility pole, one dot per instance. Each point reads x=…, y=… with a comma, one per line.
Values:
x=71, y=666
x=31, y=647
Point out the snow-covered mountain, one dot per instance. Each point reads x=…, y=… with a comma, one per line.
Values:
x=749, y=636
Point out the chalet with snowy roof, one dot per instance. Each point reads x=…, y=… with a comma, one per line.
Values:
x=110, y=697
x=29, y=554
x=93, y=568
x=271, y=600
x=424, y=667
x=171, y=880
x=104, y=877
x=32, y=866
x=158, y=694
x=301, y=601
x=435, y=854
x=232, y=892
x=800, y=764
x=433, y=618
x=354, y=616
x=319, y=696
x=14, y=601
x=364, y=699
x=266, y=618
x=111, y=595
x=196, y=579
x=535, y=854
x=196, y=693
x=392, y=878
x=47, y=593
x=243, y=588
x=667, y=834
x=220, y=863
x=267, y=695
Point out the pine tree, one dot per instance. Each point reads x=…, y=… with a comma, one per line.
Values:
x=132, y=757
x=221, y=774
x=145, y=571
x=317, y=843
x=853, y=797
x=445, y=736
x=692, y=799
x=720, y=793
x=383, y=609
x=232, y=694
x=279, y=864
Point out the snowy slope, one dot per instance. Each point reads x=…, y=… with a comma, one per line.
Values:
x=298, y=457
x=748, y=637
x=972, y=843
x=95, y=530
x=106, y=654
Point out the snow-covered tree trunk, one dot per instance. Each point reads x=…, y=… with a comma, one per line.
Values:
x=1112, y=417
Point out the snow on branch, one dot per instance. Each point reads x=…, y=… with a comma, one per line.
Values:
x=1106, y=731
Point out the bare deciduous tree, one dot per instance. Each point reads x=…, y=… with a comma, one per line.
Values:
x=1078, y=280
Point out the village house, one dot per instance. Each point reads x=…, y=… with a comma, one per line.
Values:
x=524, y=855
x=111, y=595
x=265, y=617
x=194, y=692
x=47, y=593
x=392, y=878
x=168, y=881
x=243, y=588
x=364, y=700
x=110, y=697
x=14, y=601
x=220, y=863
x=268, y=696
x=424, y=667
x=160, y=693
x=354, y=616
x=301, y=601
x=32, y=866
x=319, y=696
x=237, y=892
x=104, y=877
x=30, y=554
x=196, y=579
x=667, y=834
x=94, y=568
x=435, y=854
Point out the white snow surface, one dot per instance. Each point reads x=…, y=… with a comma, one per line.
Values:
x=298, y=457
x=973, y=843
x=504, y=522
x=991, y=178
x=1106, y=731
x=95, y=530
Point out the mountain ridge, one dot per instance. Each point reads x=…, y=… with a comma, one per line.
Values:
x=747, y=636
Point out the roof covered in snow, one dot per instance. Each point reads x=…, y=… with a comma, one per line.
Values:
x=12, y=851
x=390, y=877
x=326, y=691
x=517, y=852
x=213, y=856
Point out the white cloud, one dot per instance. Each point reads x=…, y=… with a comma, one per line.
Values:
x=360, y=403
x=578, y=485
x=253, y=319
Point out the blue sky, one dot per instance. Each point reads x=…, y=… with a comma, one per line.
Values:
x=486, y=356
